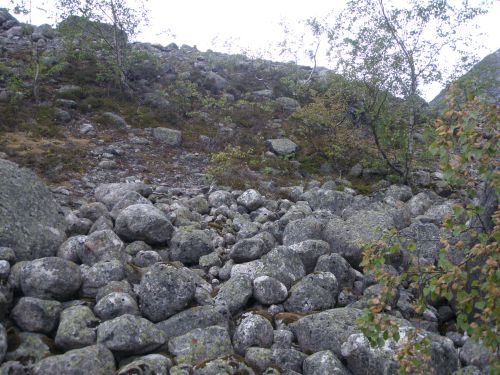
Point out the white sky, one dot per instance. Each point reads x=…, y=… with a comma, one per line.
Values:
x=248, y=25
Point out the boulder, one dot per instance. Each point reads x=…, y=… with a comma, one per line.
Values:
x=269, y=291
x=310, y=251
x=326, y=199
x=129, y=199
x=250, y=199
x=144, y=222
x=336, y=264
x=322, y=363
x=187, y=246
x=315, y=292
x=95, y=360
x=254, y=330
x=103, y=245
x=129, y=335
x=201, y=344
x=300, y=230
x=288, y=105
x=3, y=342
x=99, y=275
x=169, y=137
x=282, y=146
x=234, y=293
x=50, y=278
x=151, y=364
x=116, y=304
x=77, y=328
x=36, y=315
x=111, y=194
x=164, y=291
x=31, y=222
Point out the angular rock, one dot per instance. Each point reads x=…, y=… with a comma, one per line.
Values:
x=129, y=334
x=151, y=364
x=187, y=320
x=325, y=199
x=326, y=330
x=164, y=291
x=50, y=278
x=303, y=229
x=70, y=248
x=99, y=275
x=219, y=198
x=144, y=222
x=337, y=265
x=187, y=246
x=282, y=146
x=315, y=292
x=170, y=137
x=95, y=360
x=128, y=199
x=322, y=363
x=309, y=252
x=30, y=220
x=77, y=329
x=101, y=246
x=250, y=199
x=116, y=304
x=92, y=211
x=234, y=293
x=268, y=290
x=146, y=258
x=30, y=346
x=201, y=344
x=36, y=315
x=254, y=330
x=247, y=250
x=475, y=354
x=110, y=194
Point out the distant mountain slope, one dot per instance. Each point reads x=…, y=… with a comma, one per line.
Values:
x=482, y=79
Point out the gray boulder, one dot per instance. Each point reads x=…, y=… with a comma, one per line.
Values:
x=427, y=238
x=128, y=199
x=50, y=278
x=399, y=193
x=30, y=220
x=362, y=359
x=71, y=248
x=254, y=330
x=169, y=137
x=250, y=199
x=268, y=290
x=300, y=230
x=348, y=237
x=129, y=334
x=115, y=304
x=99, y=275
x=282, y=146
x=77, y=328
x=247, y=250
x=201, y=344
x=3, y=342
x=475, y=354
x=144, y=222
x=215, y=82
x=290, y=360
x=187, y=320
x=92, y=211
x=337, y=265
x=36, y=315
x=164, y=291
x=187, y=246
x=101, y=246
x=111, y=194
x=235, y=293
x=288, y=105
x=219, y=198
x=326, y=199
x=322, y=363
x=146, y=258
x=95, y=360
x=34, y=346
x=326, y=330
x=230, y=364
x=151, y=364
x=309, y=252
x=315, y=292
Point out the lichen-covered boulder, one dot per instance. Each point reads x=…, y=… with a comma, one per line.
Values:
x=201, y=344
x=230, y=364
x=144, y=222
x=116, y=304
x=50, y=278
x=31, y=222
x=187, y=246
x=95, y=360
x=195, y=317
x=254, y=330
x=110, y=194
x=77, y=328
x=315, y=292
x=129, y=334
x=99, y=275
x=165, y=290
x=36, y=315
x=267, y=290
x=250, y=199
x=322, y=363
x=3, y=342
x=101, y=246
x=234, y=293
x=309, y=251
x=151, y=364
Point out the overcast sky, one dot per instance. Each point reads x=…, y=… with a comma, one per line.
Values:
x=249, y=25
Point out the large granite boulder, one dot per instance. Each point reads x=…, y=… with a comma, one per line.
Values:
x=31, y=222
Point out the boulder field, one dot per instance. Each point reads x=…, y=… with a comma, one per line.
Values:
x=156, y=280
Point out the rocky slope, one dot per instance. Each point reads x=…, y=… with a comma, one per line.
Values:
x=132, y=264
x=150, y=279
